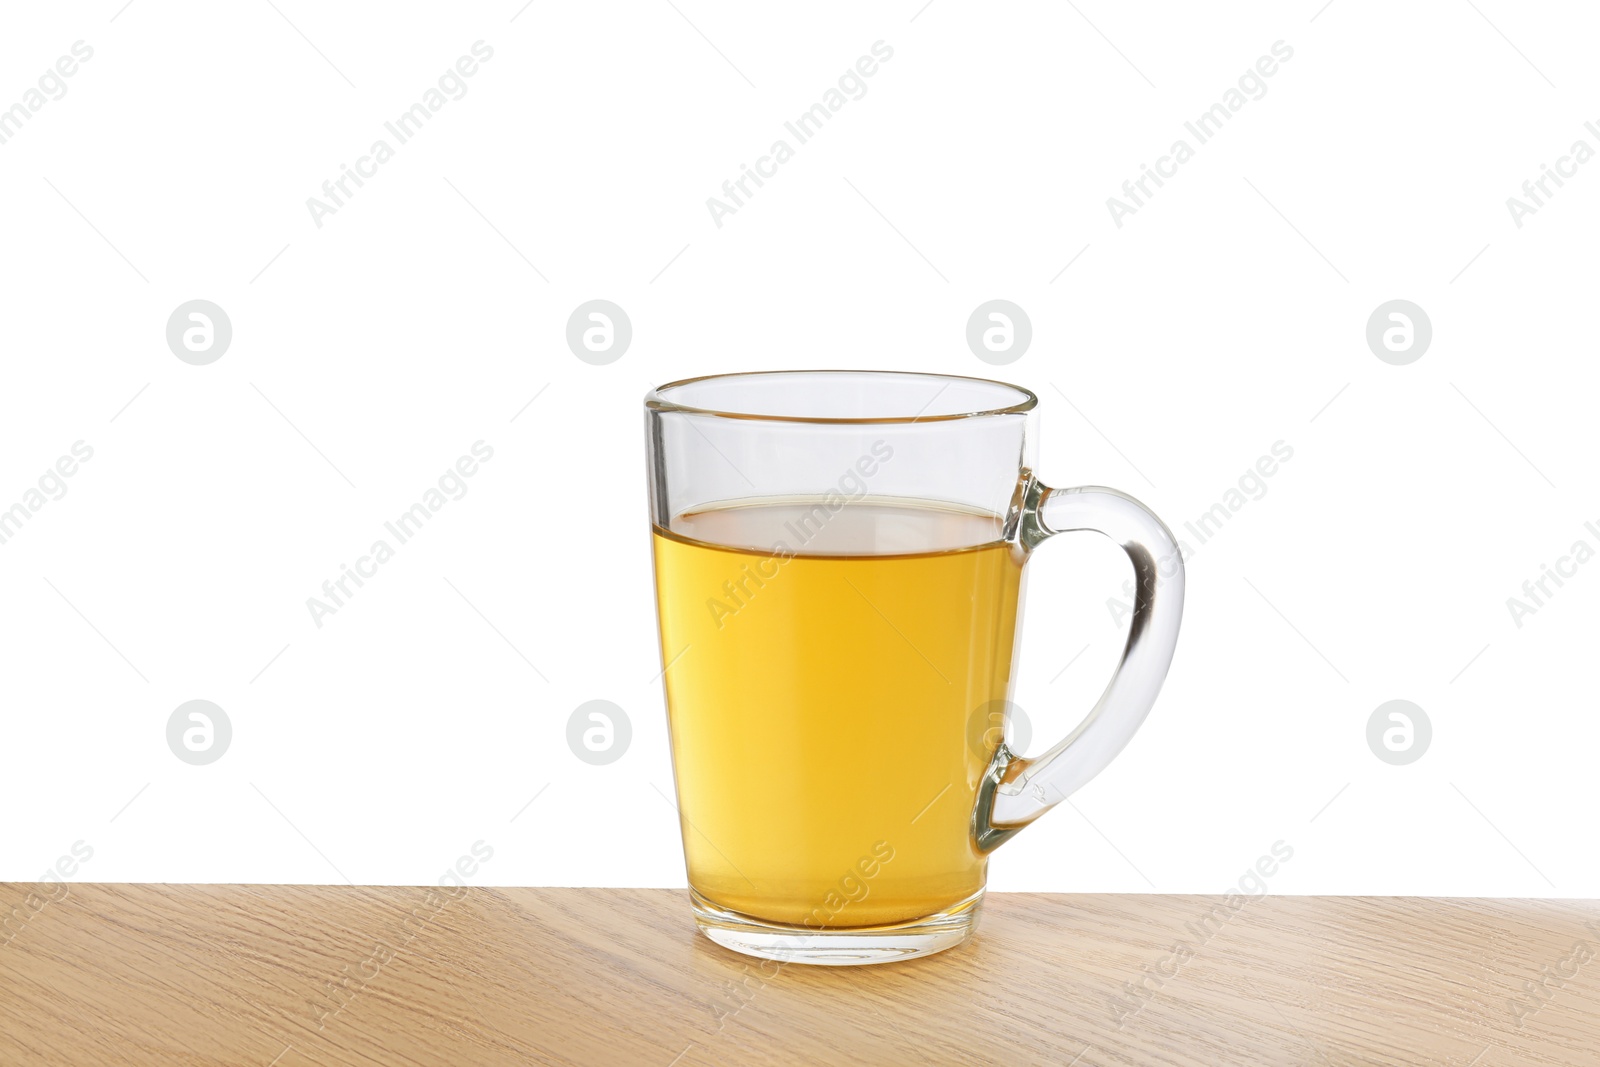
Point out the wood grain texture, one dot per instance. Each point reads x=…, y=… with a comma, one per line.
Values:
x=291, y=976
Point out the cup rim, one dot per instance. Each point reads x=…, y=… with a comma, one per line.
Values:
x=656, y=401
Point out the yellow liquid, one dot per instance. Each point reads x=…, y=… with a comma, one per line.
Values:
x=822, y=707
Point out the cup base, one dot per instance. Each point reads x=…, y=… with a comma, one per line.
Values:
x=851, y=947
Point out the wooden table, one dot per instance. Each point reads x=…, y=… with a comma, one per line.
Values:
x=289, y=976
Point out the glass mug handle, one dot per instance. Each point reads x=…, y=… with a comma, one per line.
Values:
x=1016, y=789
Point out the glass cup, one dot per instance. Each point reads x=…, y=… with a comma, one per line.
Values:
x=839, y=559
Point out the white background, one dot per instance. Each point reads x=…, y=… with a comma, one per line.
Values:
x=1229, y=313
